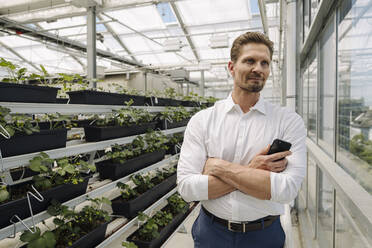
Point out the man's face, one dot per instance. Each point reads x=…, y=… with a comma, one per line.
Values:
x=252, y=68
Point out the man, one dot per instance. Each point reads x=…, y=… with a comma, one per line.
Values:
x=224, y=162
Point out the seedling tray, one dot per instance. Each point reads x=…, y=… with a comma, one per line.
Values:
x=11, y=92
x=130, y=208
x=113, y=171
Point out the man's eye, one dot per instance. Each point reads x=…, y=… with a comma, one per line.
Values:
x=265, y=63
x=250, y=61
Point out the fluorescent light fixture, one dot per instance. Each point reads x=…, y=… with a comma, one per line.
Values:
x=172, y=45
x=219, y=41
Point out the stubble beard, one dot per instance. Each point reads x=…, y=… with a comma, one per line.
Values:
x=252, y=87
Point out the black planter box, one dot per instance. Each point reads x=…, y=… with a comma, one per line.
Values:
x=62, y=100
x=23, y=172
x=36, y=142
x=172, y=150
x=108, y=169
x=158, y=101
x=165, y=124
x=163, y=235
x=89, y=240
x=95, y=133
x=103, y=98
x=130, y=208
x=61, y=193
x=175, y=103
x=92, y=239
x=81, y=123
x=11, y=92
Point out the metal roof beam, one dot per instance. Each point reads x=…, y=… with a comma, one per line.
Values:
x=72, y=56
x=20, y=56
x=183, y=27
x=116, y=37
x=29, y=31
x=143, y=35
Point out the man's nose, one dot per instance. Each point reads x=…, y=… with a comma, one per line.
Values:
x=257, y=67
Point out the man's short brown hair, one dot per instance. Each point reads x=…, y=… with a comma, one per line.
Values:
x=250, y=37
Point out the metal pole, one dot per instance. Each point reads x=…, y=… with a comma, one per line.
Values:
x=289, y=85
x=202, y=81
x=91, y=46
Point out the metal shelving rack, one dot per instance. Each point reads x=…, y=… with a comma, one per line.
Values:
x=23, y=160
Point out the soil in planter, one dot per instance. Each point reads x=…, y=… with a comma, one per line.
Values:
x=103, y=98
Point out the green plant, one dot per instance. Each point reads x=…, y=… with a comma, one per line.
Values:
x=170, y=93
x=4, y=194
x=174, y=114
x=57, y=172
x=176, y=204
x=11, y=124
x=72, y=225
x=361, y=147
x=38, y=240
x=41, y=78
x=15, y=75
x=152, y=141
x=155, y=141
x=129, y=245
x=56, y=121
x=149, y=230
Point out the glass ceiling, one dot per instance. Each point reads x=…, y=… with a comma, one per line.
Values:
x=141, y=26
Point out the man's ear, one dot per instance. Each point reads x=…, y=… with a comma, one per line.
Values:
x=231, y=68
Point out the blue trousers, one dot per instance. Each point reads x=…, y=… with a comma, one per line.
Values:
x=209, y=234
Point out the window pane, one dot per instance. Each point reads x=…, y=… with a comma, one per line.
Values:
x=311, y=201
x=305, y=22
x=313, y=9
x=354, y=146
x=346, y=234
x=305, y=94
x=313, y=79
x=327, y=88
x=325, y=210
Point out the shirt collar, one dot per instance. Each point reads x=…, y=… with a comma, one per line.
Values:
x=259, y=106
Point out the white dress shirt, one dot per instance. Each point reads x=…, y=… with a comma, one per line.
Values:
x=224, y=131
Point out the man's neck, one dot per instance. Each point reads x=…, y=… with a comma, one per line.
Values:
x=245, y=99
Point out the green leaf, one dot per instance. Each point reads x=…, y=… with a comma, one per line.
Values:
x=37, y=243
x=58, y=222
x=50, y=239
x=27, y=236
x=70, y=168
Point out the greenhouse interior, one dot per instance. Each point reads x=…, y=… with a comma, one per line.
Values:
x=136, y=94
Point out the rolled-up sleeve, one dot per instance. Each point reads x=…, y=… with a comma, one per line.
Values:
x=192, y=185
x=285, y=185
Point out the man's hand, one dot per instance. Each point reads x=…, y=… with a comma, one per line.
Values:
x=267, y=162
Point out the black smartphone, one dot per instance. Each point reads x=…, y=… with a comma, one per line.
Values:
x=279, y=146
